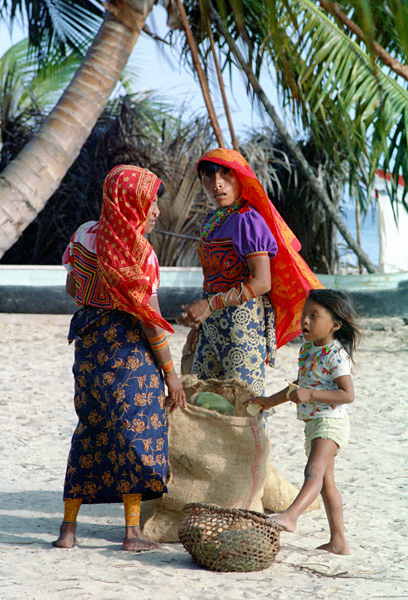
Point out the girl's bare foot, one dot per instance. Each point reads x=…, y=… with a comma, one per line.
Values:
x=335, y=548
x=66, y=536
x=136, y=541
x=284, y=521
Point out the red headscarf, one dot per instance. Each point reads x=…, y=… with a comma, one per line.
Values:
x=122, y=251
x=291, y=277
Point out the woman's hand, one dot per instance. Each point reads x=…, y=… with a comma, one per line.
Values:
x=176, y=396
x=194, y=314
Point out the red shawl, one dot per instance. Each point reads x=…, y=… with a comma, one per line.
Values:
x=291, y=277
x=122, y=251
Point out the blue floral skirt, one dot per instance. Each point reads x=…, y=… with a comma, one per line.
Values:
x=237, y=342
x=120, y=443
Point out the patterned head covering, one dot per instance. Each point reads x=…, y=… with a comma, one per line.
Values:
x=291, y=277
x=122, y=251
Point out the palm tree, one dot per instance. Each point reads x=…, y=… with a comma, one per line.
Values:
x=136, y=129
x=345, y=95
x=27, y=182
x=337, y=88
x=343, y=85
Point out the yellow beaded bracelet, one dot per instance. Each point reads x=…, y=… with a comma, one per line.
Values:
x=168, y=366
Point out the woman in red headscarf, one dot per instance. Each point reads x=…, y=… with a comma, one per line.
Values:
x=255, y=282
x=119, y=450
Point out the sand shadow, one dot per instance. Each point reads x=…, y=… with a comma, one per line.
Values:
x=33, y=518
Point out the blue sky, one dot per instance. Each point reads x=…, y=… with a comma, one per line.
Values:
x=160, y=71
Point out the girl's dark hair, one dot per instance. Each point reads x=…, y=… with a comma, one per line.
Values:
x=160, y=191
x=206, y=167
x=341, y=308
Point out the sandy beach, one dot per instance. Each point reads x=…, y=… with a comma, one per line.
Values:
x=37, y=421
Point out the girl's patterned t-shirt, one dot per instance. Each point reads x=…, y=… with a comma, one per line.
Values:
x=319, y=366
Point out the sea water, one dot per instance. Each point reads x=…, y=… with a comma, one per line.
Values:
x=369, y=235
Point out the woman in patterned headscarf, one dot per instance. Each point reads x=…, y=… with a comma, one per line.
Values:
x=119, y=449
x=255, y=282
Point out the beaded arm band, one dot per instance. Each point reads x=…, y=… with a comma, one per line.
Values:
x=235, y=296
x=167, y=366
x=158, y=344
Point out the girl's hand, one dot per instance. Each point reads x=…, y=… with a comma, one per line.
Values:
x=301, y=395
x=194, y=314
x=264, y=401
x=176, y=396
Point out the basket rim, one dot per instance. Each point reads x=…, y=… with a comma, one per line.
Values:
x=241, y=512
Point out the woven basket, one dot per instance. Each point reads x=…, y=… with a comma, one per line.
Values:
x=228, y=539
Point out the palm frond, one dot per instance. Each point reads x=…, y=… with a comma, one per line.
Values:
x=354, y=107
x=33, y=86
x=360, y=105
x=63, y=25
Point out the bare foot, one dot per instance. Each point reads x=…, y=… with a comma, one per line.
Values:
x=66, y=536
x=335, y=548
x=136, y=541
x=284, y=521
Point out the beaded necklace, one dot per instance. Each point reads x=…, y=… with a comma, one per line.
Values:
x=216, y=218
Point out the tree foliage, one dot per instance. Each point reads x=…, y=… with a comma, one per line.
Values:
x=57, y=26
x=132, y=130
x=332, y=82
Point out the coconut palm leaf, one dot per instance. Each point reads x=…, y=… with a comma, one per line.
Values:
x=33, y=85
x=355, y=105
x=352, y=104
x=24, y=84
x=385, y=22
x=60, y=25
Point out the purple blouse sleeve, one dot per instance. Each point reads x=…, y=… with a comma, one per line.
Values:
x=252, y=236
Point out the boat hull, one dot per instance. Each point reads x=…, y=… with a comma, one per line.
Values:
x=42, y=291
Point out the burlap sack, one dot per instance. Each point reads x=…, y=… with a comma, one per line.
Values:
x=215, y=459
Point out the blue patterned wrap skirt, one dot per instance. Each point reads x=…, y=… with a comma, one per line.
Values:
x=237, y=342
x=120, y=443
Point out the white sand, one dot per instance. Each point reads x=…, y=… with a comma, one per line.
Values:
x=37, y=420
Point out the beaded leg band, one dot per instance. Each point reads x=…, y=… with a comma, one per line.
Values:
x=71, y=509
x=132, y=503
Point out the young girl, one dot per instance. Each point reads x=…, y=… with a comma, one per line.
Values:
x=324, y=389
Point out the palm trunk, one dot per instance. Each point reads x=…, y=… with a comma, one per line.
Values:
x=234, y=140
x=201, y=75
x=314, y=183
x=34, y=175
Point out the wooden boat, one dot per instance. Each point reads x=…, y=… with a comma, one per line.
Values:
x=41, y=289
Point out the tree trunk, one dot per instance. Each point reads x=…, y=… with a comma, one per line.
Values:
x=315, y=185
x=201, y=75
x=34, y=175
